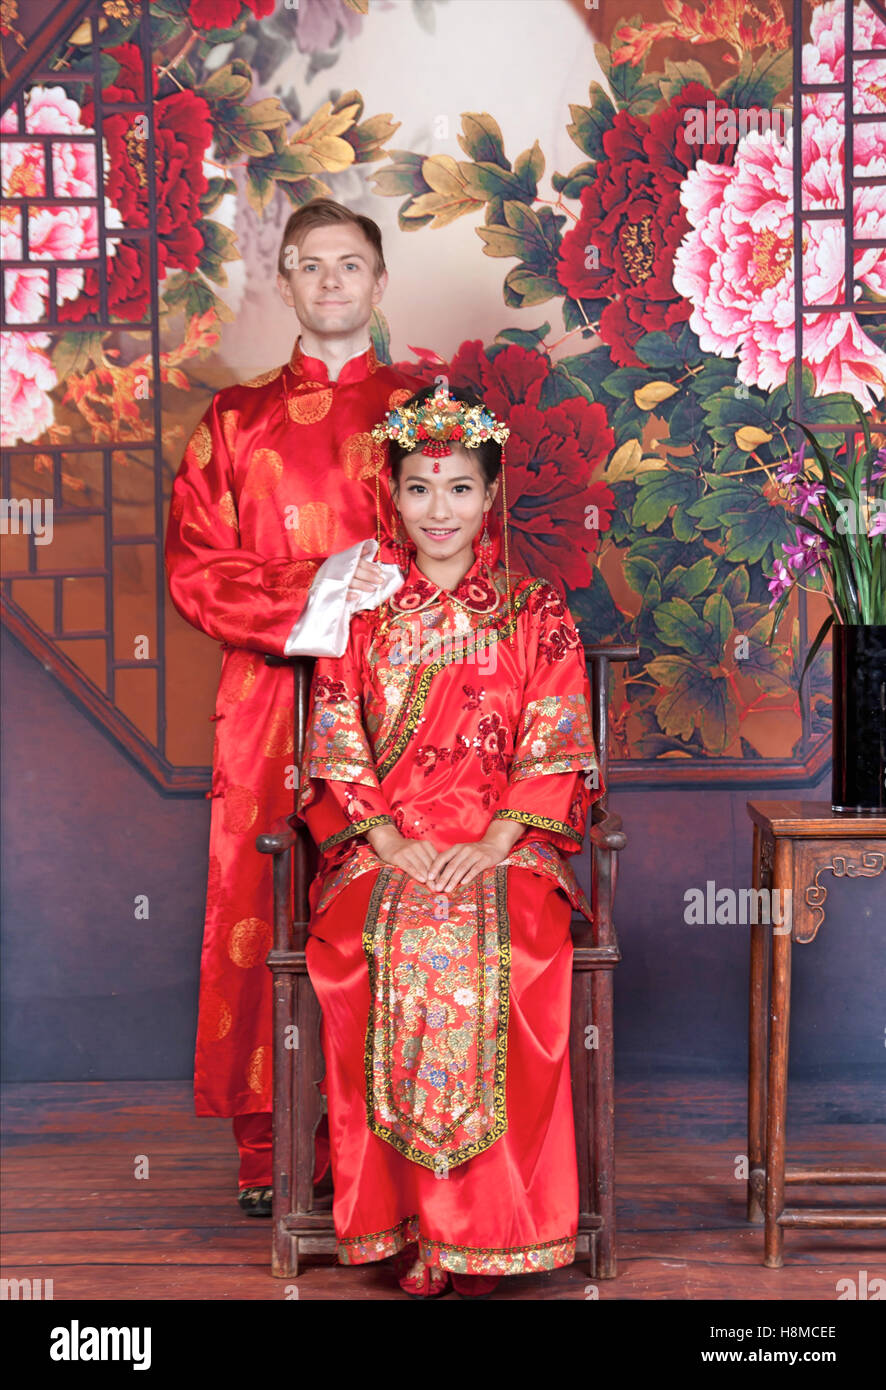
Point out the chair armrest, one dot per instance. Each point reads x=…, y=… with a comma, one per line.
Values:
x=606, y=833
x=278, y=839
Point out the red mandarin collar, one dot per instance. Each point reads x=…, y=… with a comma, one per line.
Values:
x=314, y=369
x=476, y=591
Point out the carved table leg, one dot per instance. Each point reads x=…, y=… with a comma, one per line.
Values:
x=757, y=1052
x=779, y=1030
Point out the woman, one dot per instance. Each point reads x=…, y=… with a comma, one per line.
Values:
x=449, y=765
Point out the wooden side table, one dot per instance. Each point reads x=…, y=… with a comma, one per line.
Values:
x=797, y=845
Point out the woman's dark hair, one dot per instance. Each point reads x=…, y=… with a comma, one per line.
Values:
x=488, y=454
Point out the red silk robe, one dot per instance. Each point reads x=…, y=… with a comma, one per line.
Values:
x=278, y=475
x=446, y=1016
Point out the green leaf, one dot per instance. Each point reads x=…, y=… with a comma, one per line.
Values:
x=698, y=700
x=231, y=83
x=679, y=75
x=594, y=610
x=717, y=374
x=482, y=140
x=644, y=577
x=689, y=583
x=736, y=586
x=571, y=184
x=529, y=338
x=718, y=613
x=624, y=381
x=77, y=353
x=657, y=350
x=590, y=123
x=758, y=84
x=560, y=386
x=668, y=670
x=484, y=181
x=819, y=638
x=658, y=493
x=192, y=295
x=578, y=313
x=529, y=168
x=524, y=286
x=217, y=190
x=678, y=624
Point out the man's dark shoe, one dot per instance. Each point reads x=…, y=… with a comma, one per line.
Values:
x=256, y=1201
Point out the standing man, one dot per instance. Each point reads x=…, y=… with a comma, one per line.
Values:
x=279, y=475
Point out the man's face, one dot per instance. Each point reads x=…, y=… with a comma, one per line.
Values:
x=332, y=284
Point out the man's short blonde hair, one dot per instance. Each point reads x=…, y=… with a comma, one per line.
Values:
x=324, y=212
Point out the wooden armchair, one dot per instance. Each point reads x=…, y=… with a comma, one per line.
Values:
x=302, y=1213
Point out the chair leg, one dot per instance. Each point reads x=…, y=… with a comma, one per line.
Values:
x=604, y=1123
x=284, y=1251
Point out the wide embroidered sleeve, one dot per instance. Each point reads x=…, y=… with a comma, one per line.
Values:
x=340, y=795
x=554, y=776
x=225, y=590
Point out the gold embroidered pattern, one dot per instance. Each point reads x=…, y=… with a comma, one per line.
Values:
x=412, y=709
x=543, y=823
x=199, y=448
x=264, y=378
x=434, y=1123
x=359, y=827
x=459, y=1259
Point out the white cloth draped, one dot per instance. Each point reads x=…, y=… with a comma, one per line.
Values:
x=322, y=628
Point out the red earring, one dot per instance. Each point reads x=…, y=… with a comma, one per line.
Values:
x=483, y=547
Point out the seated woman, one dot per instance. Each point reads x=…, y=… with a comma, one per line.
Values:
x=448, y=769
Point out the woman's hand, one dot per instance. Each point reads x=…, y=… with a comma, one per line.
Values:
x=460, y=864
x=367, y=578
x=413, y=856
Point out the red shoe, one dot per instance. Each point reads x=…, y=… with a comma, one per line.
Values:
x=423, y=1281
x=474, y=1285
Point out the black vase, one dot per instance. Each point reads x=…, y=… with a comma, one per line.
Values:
x=859, y=733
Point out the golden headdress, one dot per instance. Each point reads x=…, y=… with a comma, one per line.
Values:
x=430, y=425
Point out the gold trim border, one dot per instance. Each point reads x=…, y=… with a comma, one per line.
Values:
x=500, y=1120
x=542, y=822
x=358, y=828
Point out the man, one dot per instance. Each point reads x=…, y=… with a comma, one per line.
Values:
x=279, y=475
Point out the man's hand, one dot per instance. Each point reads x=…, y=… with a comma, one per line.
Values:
x=413, y=856
x=460, y=864
x=368, y=576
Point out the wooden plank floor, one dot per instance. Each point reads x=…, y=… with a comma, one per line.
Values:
x=74, y=1211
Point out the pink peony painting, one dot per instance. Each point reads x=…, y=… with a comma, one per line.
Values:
x=736, y=264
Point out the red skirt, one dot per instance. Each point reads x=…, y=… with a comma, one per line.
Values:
x=511, y=1208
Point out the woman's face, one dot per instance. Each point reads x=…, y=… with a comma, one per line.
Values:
x=442, y=512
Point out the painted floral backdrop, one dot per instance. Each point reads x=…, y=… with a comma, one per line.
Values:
x=650, y=387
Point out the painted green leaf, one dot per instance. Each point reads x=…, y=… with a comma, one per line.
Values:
x=689, y=583
x=679, y=75
x=482, y=140
x=718, y=613
x=529, y=167
x=678, y=624
x=736, y=585
x=590, y=123
x=524, y=286
x=758, y=84
x=658, y=492
x=657, y=350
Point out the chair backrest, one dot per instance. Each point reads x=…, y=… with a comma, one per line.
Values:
x=598, y=656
